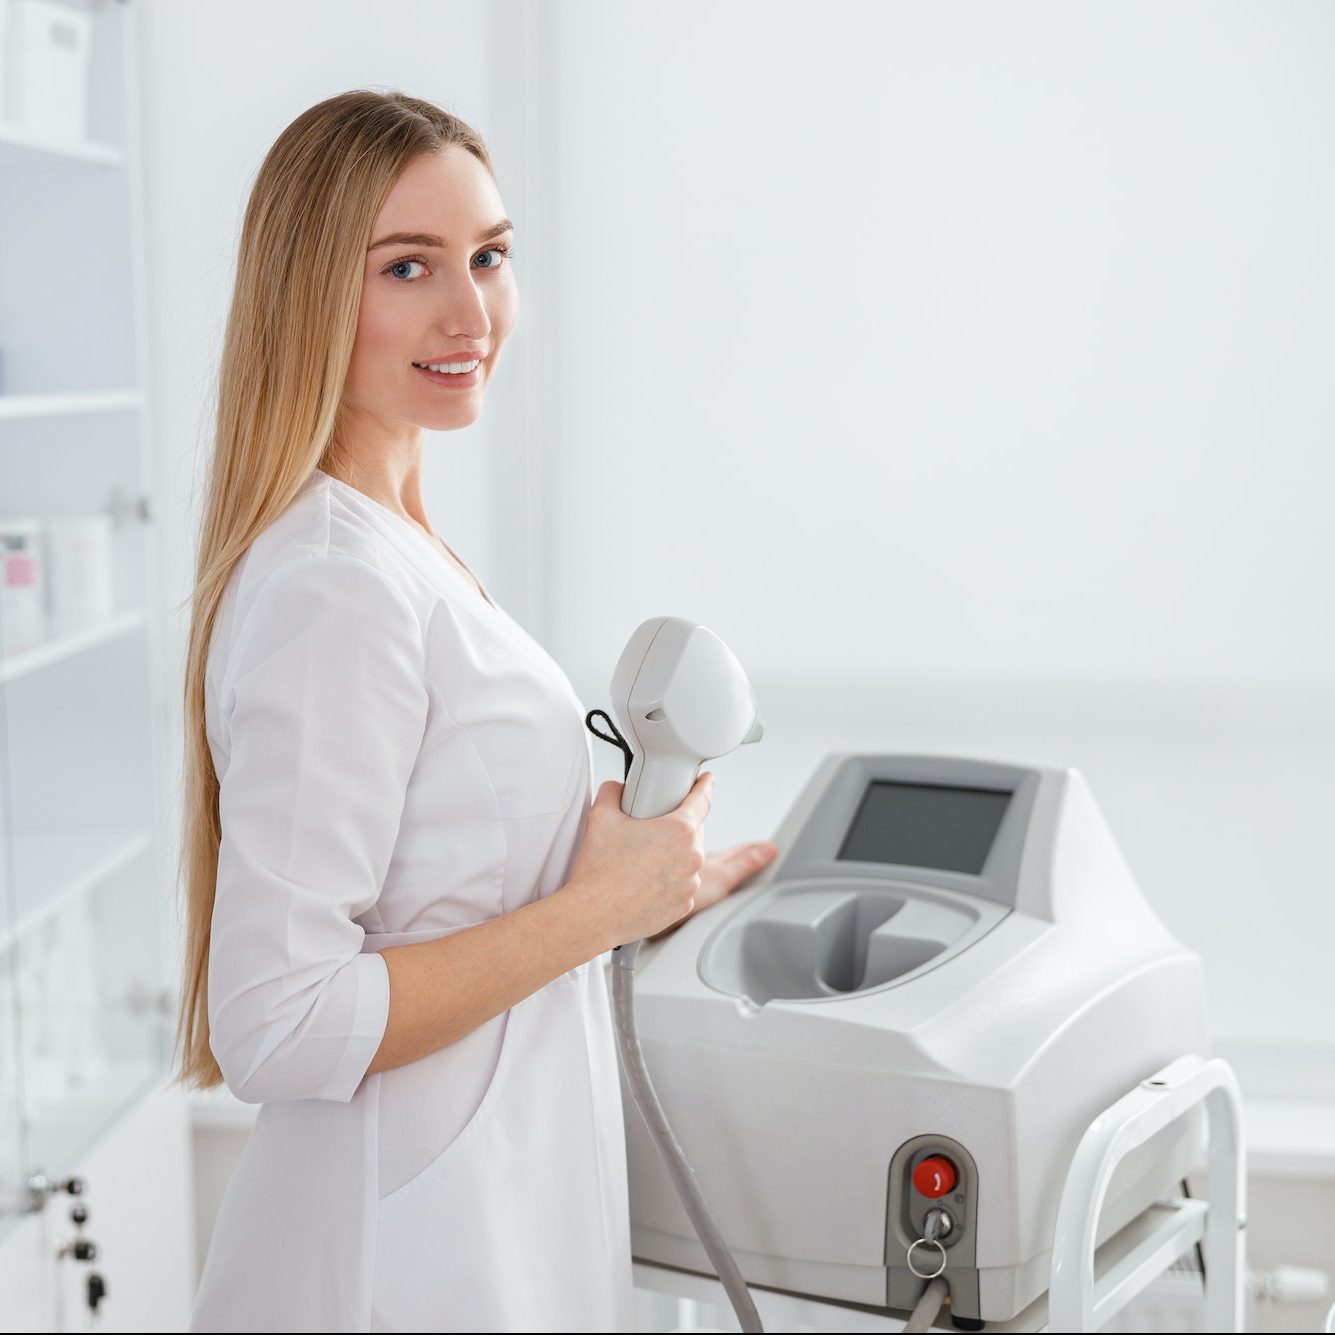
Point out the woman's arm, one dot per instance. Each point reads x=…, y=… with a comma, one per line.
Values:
x=442, y=989
x=322, y=706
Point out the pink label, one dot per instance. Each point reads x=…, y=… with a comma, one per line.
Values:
x=20, y=571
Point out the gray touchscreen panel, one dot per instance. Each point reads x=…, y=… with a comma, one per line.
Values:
x=925, y=825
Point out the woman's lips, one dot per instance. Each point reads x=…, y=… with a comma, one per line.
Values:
x=444, y=380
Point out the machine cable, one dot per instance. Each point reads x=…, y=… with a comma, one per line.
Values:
x=681, y=1172
x=646, y=1099
x=929, y=1306
x=938, y=1225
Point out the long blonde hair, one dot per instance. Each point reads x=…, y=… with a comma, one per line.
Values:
x=289, y=339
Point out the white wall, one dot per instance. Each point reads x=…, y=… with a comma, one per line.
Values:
x=967, y=368
x=995, y=337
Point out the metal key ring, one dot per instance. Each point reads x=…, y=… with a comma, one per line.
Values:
x=923, y=1274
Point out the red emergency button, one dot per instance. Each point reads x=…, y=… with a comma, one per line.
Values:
x=935, y=1176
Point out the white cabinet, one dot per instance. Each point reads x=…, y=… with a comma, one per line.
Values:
x=86, y=897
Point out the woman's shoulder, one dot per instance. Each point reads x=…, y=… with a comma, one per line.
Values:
x=314, y=524
x=317, y=546
x=318, y=525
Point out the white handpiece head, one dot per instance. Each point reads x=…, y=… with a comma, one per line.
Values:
x=681, y=698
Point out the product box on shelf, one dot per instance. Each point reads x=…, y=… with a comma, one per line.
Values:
x=44, y=67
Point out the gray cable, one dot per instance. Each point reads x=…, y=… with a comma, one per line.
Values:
x=929, y=1305
x=683, y=1175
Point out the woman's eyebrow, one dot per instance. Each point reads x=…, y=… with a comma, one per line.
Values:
x=426, y=238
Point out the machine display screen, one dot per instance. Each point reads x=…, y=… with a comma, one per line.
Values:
x=925, y=825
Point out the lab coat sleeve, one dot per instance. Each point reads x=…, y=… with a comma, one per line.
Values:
x=324, y=704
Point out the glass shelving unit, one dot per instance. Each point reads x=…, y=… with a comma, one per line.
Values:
x=85, y=1002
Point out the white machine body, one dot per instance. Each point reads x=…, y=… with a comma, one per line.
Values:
x=949, y=957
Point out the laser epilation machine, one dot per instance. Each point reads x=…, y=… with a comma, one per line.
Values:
x=881, y=1055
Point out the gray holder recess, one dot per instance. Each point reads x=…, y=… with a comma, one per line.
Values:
x=812, y=940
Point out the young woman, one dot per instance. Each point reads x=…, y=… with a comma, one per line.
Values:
x=398, y=893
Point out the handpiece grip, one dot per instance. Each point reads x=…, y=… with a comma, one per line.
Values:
x=653, y=789
x=657, y=784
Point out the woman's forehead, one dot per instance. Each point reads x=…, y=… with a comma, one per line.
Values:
x=449, y=193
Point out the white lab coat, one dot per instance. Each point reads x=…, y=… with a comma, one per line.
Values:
x=398, y=760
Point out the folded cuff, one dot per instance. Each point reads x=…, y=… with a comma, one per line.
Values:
x=370, y=1017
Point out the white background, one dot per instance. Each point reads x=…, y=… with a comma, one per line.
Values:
x=967, y=367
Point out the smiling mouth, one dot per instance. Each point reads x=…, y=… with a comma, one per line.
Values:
x=452, y=379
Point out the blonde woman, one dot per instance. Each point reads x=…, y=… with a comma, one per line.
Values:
x=398, y=894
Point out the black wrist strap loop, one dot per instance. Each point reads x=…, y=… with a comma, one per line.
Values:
x=617, y=740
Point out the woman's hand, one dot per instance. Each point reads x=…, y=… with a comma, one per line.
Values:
x=723, y=873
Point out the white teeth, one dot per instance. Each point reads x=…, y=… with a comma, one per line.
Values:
x=449, y=368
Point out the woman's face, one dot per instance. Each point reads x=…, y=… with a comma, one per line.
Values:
x=448, y=295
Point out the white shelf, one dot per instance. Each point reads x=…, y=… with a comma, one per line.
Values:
x=68, y=861
x=21, y=148
x=67, y=645
x=14, y=406
x=79, y=830
x=69, y=1124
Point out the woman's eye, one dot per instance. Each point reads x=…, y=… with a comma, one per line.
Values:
x=401, y=264
x=506, y=251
